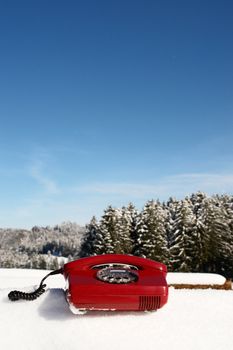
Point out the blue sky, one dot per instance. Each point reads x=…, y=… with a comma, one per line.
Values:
x=107, y=102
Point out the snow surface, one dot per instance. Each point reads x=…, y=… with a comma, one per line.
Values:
x=192, y=319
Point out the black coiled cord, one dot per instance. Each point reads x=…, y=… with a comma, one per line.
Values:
x=15, y=295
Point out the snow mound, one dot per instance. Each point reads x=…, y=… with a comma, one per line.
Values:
x=195, y=278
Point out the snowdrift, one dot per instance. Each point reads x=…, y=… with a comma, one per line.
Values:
x=180, y=280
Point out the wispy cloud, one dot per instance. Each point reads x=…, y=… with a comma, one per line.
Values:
x=36, y=171
x=81, y=203
x=177, y=185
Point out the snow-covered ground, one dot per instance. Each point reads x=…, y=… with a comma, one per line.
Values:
x=192, y=319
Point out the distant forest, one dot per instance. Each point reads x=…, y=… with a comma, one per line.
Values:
x=41, y=247
x=193, y=234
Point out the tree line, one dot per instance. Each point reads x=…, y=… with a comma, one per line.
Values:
x=194, y=234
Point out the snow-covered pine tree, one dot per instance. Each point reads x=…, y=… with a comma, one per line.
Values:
x=139, y=232
x=133, y=214
x=197, y=200
x=134, y=219
x=109, y=231
x=215, y=237
x=184, y=251
x=124, y=229
x=152, y=242
x=170, y=208
x=226, y=201
x=92, y=243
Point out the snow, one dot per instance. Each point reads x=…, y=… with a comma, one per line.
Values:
x=192, y=319
x=194, y=278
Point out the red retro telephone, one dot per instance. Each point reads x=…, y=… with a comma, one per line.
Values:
x=110, y=282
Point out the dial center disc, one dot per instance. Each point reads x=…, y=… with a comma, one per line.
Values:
x=117, y=275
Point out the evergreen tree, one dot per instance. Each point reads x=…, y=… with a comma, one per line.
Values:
x=216, y=237
x=184, y=252
x=170, y=209
x=152, y=241
x=91, y=242
x=124, y=228
x=109, y=232
x=133, y=215
x=226, y=202
x=197, y=200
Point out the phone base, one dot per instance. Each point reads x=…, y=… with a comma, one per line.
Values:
x=83, y=311
x=115, y=283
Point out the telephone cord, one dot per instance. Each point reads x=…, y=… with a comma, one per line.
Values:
x=17, y=295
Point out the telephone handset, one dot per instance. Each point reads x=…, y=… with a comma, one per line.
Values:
x=114, y=268
x=110, y=282
x=93, y=261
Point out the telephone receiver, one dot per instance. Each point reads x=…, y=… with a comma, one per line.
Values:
x=109, y=282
